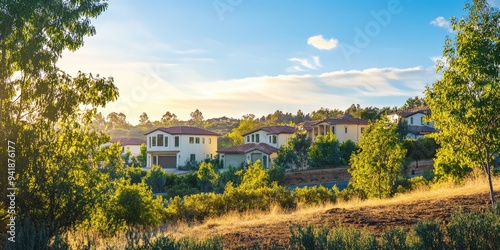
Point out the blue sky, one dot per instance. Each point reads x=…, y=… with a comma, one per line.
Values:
x=237, y=57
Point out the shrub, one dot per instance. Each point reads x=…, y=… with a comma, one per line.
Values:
x=335, y=238
x=394, y=238
x=428, y=235
x=156, y=179
x=135, y=174
x=314, y=195
x=480, y=230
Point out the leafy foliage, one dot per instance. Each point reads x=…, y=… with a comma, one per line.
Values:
x=464, y=102
x=378, y=163
x=325, y=152
x=294, y=154
x=156, y=179
x=347, y=148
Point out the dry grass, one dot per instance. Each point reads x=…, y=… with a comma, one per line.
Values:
x=233, y=222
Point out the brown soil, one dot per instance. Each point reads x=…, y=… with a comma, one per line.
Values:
x=375, y=219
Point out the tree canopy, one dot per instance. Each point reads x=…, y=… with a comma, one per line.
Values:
x=464, y=102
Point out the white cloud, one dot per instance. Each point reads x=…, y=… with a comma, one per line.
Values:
x=442, y=22
x=263, y=94
x=304, y=64
x=321, y=43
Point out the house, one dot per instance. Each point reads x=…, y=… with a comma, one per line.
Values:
x=260, y=144
x=130, y=144
x=344, y=128
x=416, y=118
x=174, y=146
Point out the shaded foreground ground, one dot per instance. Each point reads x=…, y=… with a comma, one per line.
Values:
x=273, y=229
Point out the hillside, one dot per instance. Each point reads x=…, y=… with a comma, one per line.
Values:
x=271, y=229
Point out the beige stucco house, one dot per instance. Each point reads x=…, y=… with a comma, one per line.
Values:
x=260, y=144
x=130, y=144
x=174, y=146
x=344, y=128
x=416, y=118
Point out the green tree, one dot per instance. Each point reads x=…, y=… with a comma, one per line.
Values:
x=347, y=148
x=169, y=119
x=117, y=120
x=294, y=154
x=464, y=102
x=142, y=156
x=208, y=176
x=47, y=113
x=413, y=102
x=196, y=117
x=325, y=152
x=144, y=119
x=324, y=113
x=254, y=177
x=378, y=163
x=135, y=205
x=156, y=179
x=247, y=124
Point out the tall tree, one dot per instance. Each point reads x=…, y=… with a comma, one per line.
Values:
x=196, y=117
x=144, y=119
x=294, y=154
x=464, y=102
x=46, y=113
x=325, y=152
x=169, y=119
x=413, y=102
x=246, y=125
x=378, y=163
x=324, y=113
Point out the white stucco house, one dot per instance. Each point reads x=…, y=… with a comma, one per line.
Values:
x=416, y=118
x=344, y=128
x=132, y=144
x=260, y=144
x=174, y=146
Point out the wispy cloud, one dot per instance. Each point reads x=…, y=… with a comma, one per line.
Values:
x=304, y=64
x=321, y=43
x=264, y=94
x=442, y=22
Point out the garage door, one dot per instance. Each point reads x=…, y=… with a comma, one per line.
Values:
x=167, y=161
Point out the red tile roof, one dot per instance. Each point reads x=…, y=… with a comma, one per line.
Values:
x=409, y=112
x=344, y=120
x=184, y=130
x=248, y=147
x=128, y=141
x=275, y=130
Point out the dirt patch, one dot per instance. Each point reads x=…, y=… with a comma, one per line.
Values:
x=317, y=176
x=375, y=219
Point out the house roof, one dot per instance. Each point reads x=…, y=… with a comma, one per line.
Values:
x=344, y=120
x=184, y=130
x=275, y=130
x=128, y=141
x=409, y=112
x=419, y=130
x=307, y=126
x=248, y=147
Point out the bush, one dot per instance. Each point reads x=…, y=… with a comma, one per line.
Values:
x=135, y=174
x=314, y=195
x=335, y=238
x=156, y=179
x=480, y=230
x=394, y=239
x=428, y=235
x=276, y=174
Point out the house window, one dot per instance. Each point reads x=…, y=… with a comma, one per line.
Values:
x=333, y=129
x=149, y=142
x=270, y=139
x=253, y=138
x=411, y=120
x=197, y=140
x=160, y=140
x=203, y=140
x=176, y=142
x=274, y=139
x=209, y=140
x=166, y=141
x=257, y=138
x=192, y=157
x=345, y=128
x=154, y=141
x=248, y=138
x=191, y=140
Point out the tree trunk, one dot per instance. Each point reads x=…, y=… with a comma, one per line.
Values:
x=492, y=192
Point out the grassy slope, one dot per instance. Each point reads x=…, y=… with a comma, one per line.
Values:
x=268, y=228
